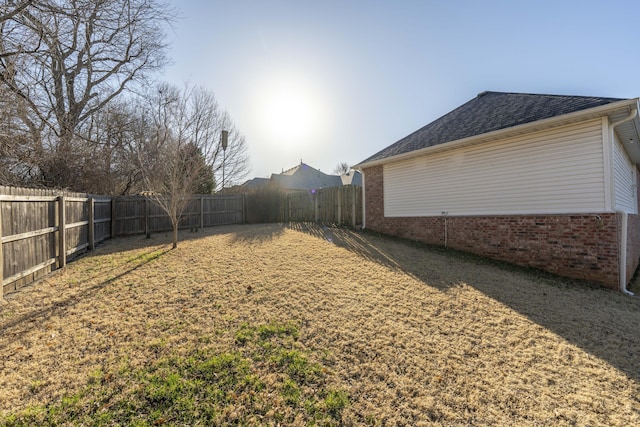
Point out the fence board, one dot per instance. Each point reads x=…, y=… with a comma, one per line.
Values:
x=1, y=257
x=102, y=219
x=335, y=206
x=27, y=228
x=40, y=229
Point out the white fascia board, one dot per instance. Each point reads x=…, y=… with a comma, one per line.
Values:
x=538, y=125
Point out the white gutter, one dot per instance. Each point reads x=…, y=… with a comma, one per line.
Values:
x=510, y=131
x=631, y=116
x=622, y=266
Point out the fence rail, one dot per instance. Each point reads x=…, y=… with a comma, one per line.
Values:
x=41, y=229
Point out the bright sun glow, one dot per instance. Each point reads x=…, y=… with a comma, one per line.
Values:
x=290, y=113
x=288, y=116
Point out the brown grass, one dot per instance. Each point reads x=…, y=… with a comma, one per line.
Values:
x=416, y=336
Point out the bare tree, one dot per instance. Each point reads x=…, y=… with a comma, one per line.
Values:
x=203, y=123
x=16, y=154
x=175, y=179
x=11, y=9
x=112, y=161
x=341, y=168
x=66, y=60
x=182, y=153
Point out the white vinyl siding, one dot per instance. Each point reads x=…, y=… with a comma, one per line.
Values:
x=555, y=171
x=624, y=180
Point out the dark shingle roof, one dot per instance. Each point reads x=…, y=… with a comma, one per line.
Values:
x=304, y=177
x=490, y=111
x=256, y=183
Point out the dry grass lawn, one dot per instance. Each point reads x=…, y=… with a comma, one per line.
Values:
x=414, y=335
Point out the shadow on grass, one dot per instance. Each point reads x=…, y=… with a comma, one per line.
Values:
x=35, y=318
x=257, y=233
x=349, y=239
x=602, y=322
x=240, y=233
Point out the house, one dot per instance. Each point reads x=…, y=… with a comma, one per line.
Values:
x=255, y=183
x=305, y=178
x=547, y=181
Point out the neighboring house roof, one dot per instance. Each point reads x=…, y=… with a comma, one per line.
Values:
x=487, y=112
x=256, y=183
x=304, y=177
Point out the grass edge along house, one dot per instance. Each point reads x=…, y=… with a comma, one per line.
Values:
x=546, y=181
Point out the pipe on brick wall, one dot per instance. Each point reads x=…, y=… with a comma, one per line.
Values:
x=364, y=203
x=623, y=254
x=622, y=273
x=444, y=214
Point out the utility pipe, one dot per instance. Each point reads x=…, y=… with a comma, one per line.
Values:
x=623, y=255
x=444, y=214
x=364, y=202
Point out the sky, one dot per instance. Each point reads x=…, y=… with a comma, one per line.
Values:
x=326, y=82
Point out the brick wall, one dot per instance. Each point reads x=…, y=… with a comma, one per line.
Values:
x=633, y=245
x=583, y=246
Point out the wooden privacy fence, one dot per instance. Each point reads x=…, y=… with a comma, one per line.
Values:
x=137, y=214
x=41, y=229
x=335, y=205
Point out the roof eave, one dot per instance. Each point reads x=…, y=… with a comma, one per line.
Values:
x=576, y=116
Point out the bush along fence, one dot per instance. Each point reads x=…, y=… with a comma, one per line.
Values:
x=40, y=230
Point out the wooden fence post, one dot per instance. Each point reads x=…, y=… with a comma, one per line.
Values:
x=287, y=209
x=62, y=238
x=91, y=231
x=353, y=206
x=201, y=212
x=146, y=216
x=315, y=200
x=113, y=217
x=1, y=259
x=339, y=206
x=244, y=208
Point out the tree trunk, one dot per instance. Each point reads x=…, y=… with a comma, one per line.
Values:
x=175, y=236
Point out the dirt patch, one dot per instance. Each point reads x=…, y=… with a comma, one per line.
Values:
x=416, y=336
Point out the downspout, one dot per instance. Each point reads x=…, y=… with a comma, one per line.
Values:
x=622, y=266
x=364, y=203
x=623, y=255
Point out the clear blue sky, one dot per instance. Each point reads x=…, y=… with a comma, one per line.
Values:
x=352, y=77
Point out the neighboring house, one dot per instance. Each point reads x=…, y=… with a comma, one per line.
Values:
x=255, y=183
x=300, y=178
x=305, y=178
x=547, y=181
x=248, y=186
